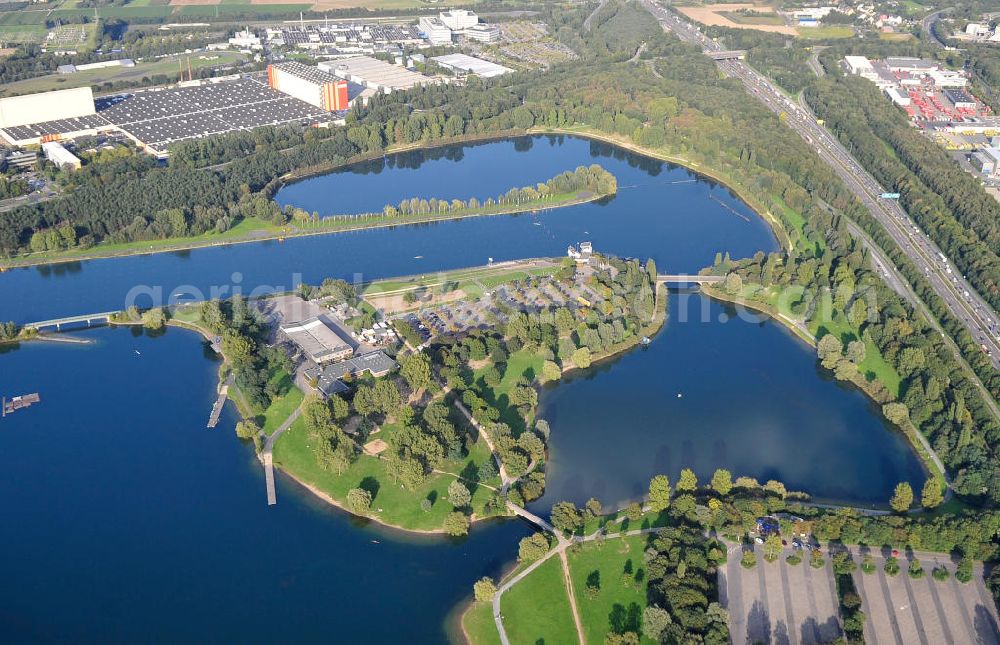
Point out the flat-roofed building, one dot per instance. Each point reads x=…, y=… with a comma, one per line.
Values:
x=471, y=65
x=46, y=106
x=434, y=29
x=376, y=74
x=309, y=84
x=458, y=19
x=318, y=340
x=329, y=379
x=483, y=33
x=60, y=156
x=911, y=65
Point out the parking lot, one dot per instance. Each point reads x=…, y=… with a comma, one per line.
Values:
x=902, y=610
x=795, y=604
x=777, y=602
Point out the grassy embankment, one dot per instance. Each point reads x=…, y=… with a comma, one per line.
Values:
x=252, y=230
x=537, y=608
x=467, y=283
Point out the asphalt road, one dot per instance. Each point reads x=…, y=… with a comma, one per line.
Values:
x=960, y=298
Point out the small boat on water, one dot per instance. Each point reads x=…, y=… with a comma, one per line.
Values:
x=418, y=257
x=645, y=341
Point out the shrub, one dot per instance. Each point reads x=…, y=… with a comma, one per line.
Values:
x=940, y=573
x=794, y=559
x=749, y=560
x=916, y=570
x=891, y=565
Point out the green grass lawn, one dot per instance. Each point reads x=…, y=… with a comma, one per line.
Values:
x=282, y=407
x=521, y=363
x=400, y=507
x=617, y=606
x=479, y=625
x=536, y=610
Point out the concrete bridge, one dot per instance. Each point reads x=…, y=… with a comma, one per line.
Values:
x=738, y=54
x=689, y=279
x=59, y=322
x=534, y=519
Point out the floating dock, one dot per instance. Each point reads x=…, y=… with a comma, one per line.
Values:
x=19, y=402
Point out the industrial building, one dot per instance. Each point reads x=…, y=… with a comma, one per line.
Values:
x=375, y=74
x=155, y=119
x=471, y=65
x=309, y=84
x=317, y=340
x=46, y=106
x=897, y=97
x=60, y=156
x=961, y=99
x=986, y=161
x=911, y=65
x=48, y=116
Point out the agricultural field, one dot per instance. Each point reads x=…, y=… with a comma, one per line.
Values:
x=96, y=77
x=21, y=34
x=718, y=15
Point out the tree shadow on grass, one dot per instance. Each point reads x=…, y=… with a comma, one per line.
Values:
x=371, y=485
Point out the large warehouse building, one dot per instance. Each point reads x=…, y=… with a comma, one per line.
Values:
x=375, y=74
x=309, y=84
x=48, y=116
x=47, y=106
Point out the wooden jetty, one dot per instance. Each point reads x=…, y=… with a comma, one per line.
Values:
x=220, y=402
x=19, y=402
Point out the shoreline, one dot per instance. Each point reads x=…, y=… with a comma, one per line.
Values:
x=705, y=171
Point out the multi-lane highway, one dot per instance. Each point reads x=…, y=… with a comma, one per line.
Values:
x=960, y=298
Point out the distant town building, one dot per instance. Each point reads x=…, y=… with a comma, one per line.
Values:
x=483, y=33
x=245, y=40
x=434, y=29
x=977, y=30
x=458, y=19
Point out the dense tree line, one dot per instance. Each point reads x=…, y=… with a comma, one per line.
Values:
x=947, y=203
x=593, y=178
x=244, y=333
x=836, y=283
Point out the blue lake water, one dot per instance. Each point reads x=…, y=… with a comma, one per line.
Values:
x=127, y=520
x=661, y=211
